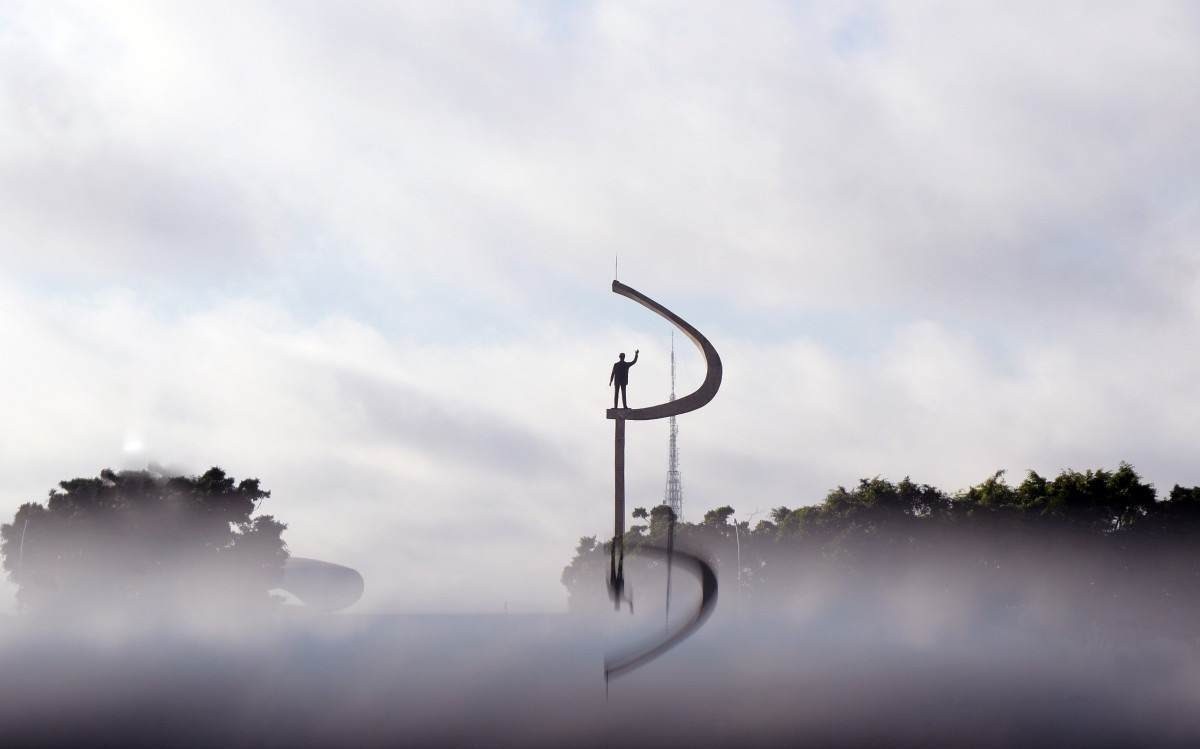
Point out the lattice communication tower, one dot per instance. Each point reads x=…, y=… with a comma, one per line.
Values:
x=673, y=496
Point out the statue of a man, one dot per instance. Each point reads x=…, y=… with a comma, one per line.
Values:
x=620, y=378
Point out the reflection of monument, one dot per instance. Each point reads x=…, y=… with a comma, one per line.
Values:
x=321, y=585
x=690, y=402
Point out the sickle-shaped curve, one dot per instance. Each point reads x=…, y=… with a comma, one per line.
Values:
x=712, y=361
x=623, y=663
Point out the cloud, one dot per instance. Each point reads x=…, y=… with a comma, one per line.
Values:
x=473, y=438
x=362, y=252
x=954, y=156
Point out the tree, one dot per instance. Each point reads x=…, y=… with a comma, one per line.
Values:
x=1097, y=542
x=140, y=539
x=661, y=518
x=719, y=517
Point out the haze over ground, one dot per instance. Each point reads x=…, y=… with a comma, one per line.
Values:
x=363, y=254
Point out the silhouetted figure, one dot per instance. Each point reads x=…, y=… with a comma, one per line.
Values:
x=620, y=378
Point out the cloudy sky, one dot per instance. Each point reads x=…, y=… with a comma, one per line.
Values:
x=363, y=252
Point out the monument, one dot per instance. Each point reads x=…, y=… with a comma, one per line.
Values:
x=699, y=397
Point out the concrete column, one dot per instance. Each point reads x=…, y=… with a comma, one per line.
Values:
x=619, y=480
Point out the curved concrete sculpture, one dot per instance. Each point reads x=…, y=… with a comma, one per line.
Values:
x=321, y=585
x=617, y=665
x=712, y=361
x=690, y=402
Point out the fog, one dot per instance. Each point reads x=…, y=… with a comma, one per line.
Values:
x=838, y=662
x=537, y=680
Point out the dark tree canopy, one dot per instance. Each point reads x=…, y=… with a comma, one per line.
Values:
x=142, y=540
x=1099, y=543
x=718, y=517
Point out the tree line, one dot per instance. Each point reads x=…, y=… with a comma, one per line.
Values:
x=1085, y=548
x=143, y=541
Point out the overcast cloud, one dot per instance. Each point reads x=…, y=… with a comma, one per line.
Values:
x=363, y=253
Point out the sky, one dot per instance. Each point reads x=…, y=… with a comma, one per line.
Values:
x=362, y=251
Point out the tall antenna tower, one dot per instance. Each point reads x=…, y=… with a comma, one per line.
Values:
x=673, y=497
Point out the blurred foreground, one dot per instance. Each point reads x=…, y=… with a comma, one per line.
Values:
x=529, y=680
